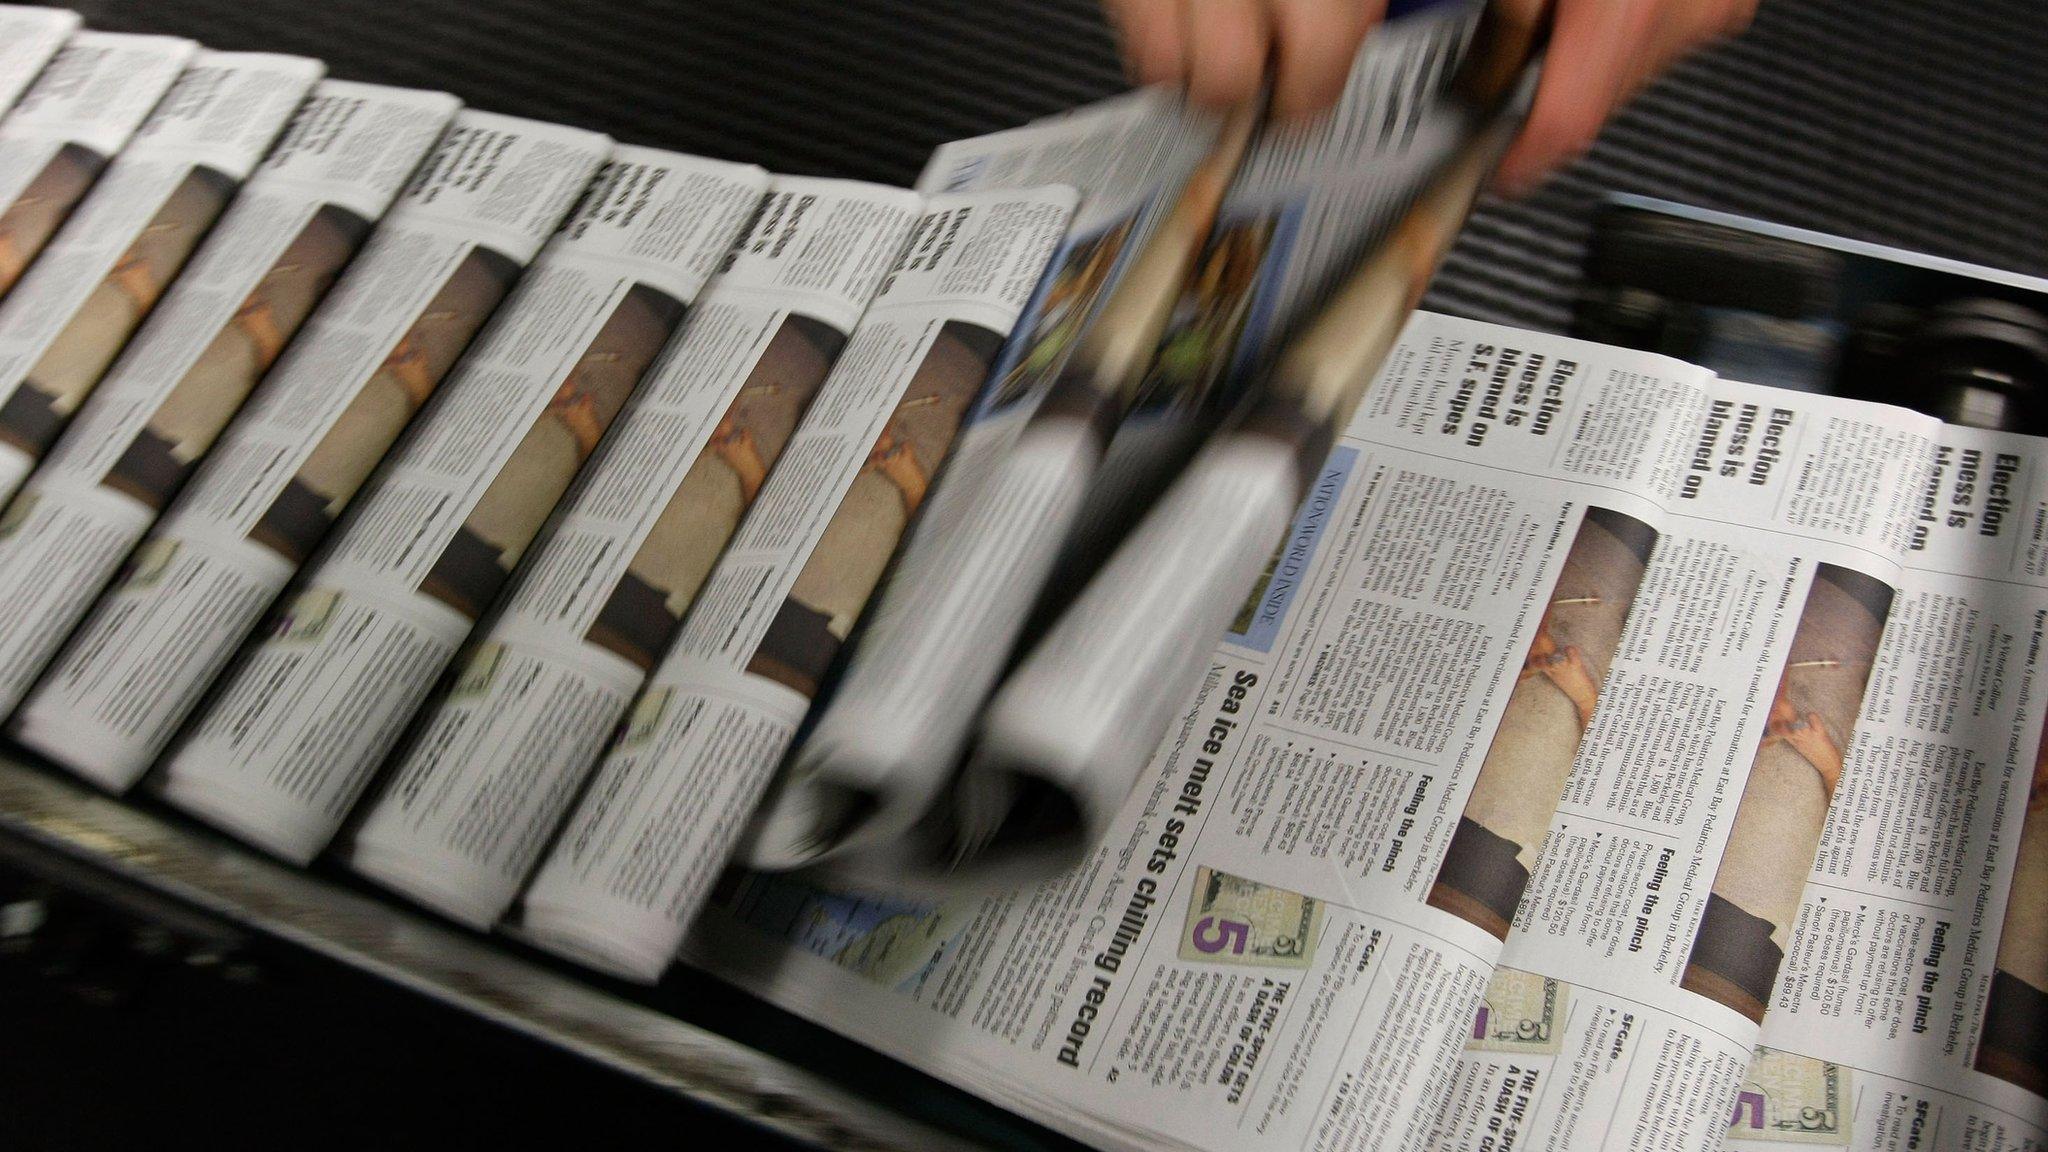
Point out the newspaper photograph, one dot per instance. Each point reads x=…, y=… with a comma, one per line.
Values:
x=104, y=272
x=1742, y=934
x=223, y=324
x=373, y=353
x=1910, y=1006
x=666, y=806
x=29, y=38
x=1523, y=772
x=82, y=110
x=474, y=797
x=303, y=719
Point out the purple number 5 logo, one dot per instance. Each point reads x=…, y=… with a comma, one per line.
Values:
x=1213, y=935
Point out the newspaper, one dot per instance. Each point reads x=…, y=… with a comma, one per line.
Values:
x=1913, y=1005
x=1488, y=822
x=474, y=798
x=666, y=807
x=106, y=269
x=299, y=724
x=900, y=721
x=283, y=471
x=29, y=37
x=242, y=297
x=81, y=110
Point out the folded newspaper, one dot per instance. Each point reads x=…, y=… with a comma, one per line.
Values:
x=244, y=296
x=270, y=490
x=1597, y=753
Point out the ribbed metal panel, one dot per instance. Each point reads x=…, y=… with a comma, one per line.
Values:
x=1906, y=122
x=856, y=88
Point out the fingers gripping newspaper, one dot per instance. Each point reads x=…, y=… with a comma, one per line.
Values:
x=80, y=112
x=302, y=720
x=1913, y=1008
x=29, y=37
x=103, y=274
x=474, y=797
x=374, y=352
x=225, y=321
x=899, y=722
x=1284, y=939
x=666, y=808
x=1313, y=200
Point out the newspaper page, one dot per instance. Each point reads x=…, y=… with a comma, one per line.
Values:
x=666, y=807
x=81, y=111
x=1912, y=1011
x=106, y=269
x=473, y=799
x=301, y=722
x=375, y=350
x=29, y=37
x=1251, y=957
x=1652, y=923
x=1385, y=737
x=963, y=592
x=226, y=319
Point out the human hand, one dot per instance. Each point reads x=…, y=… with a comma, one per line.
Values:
x=1602, y=52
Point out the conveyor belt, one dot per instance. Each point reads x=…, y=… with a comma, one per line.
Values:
x=1899, y=121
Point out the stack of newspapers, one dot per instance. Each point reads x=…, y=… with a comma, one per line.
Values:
x=1070, y=626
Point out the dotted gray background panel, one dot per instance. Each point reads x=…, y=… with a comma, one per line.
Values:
x=1908, y=122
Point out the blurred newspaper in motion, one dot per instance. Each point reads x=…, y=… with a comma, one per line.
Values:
x=1309, y=205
